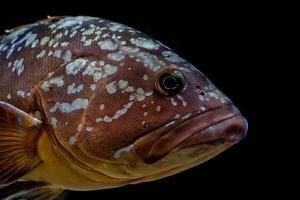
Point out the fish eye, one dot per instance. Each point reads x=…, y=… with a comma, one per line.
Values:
x=170, y=82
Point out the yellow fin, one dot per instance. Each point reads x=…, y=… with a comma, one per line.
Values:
x=19, y=133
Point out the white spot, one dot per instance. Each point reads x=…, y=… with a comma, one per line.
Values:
x=88, y=42
x=201, y=98
x=182, y=100
x=107, y=45
x=173, y=102
x=144, y=105
x=118, y=153
x=75, y=66
x=8, y=96
x=145, y=43
x=117, y=114
x=41, y=54
x=58, y=81
x=72, y=140
x=111, y=88
x=21, y=93
x=70, y=21
x=44, y=40
x=143, y=122
x=64, y=44
x=177, y=116
x=117, y=27
x=30, y=37
x=89, y=129
x=202, y=108
x=122, y=84
x=18, y=66
x=73, y=33
x=212, y=129
x=34, y=43
x=73, y=90
x=50, y=74
x=145, y=77
x=109, y=69
x=145, y=114
x=99, y=119
x=53, y=122
x=150, y=61
x=93, y=87
x=107, y=119
x=170, y=56
x=57, y=53
x=158, y=108
x=67, y=57
x=139, y=95
x=118, y=56
x=102, y=106
x=99, y=72
x=67, y=107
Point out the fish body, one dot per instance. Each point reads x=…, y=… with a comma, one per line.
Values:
x=93, y=104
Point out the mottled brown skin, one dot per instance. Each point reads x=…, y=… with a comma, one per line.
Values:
x=92, y=161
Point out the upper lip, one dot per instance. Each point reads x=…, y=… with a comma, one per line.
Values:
x=160, y=142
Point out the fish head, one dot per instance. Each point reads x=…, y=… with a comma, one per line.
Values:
x=161, y=119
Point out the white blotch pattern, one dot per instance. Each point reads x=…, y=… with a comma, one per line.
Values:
x=18, y=66
x=145, y=43
x=73, y=90
x=58, y=81
x=53, y=122
x=21, y=93
x=184, y=103
x=76, y=66
x=77, y=104
x=72, y=140
x=172, y=57
x=117, y=114
x=158, y=108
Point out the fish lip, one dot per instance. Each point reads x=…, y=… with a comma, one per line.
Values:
x=163, y=143
x=235, y=133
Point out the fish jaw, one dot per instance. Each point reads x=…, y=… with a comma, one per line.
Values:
x=224, y=124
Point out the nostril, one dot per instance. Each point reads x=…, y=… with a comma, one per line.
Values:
x=202, y=92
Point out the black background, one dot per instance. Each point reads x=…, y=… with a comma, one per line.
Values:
x=227, y=43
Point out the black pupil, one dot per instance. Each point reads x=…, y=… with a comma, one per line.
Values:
x=170, y=82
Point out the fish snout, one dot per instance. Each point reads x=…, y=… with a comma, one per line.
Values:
x=235, y=129
x=231, y=128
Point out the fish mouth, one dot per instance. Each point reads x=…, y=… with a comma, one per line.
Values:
x=224, y=124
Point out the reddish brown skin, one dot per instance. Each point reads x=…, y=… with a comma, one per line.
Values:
x=106, y=138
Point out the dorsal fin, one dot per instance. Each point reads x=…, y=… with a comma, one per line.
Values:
x=19, y=133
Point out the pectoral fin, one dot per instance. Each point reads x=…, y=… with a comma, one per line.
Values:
x=19, y=133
